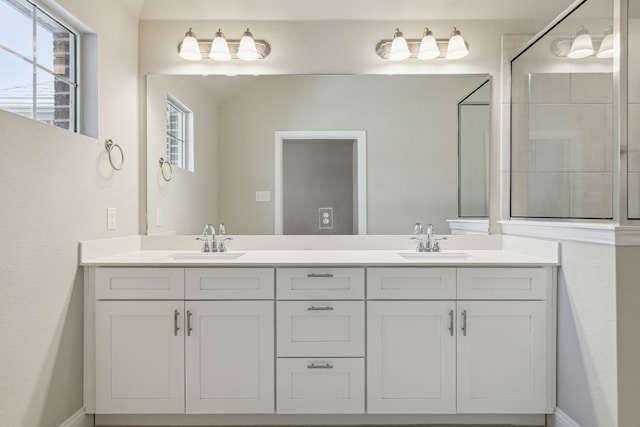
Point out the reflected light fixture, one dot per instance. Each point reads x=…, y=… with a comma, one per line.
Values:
x=219, y=48
x=189, y=48
x=582, y=45
x=457, y=47
x=428, y=46
x=399, y=47
x=247, y=50
x=606, y=45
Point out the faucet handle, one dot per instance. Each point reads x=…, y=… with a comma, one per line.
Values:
x=418, y=228
x=223, y=229
x=205, y=247
x=420, y=247
x=222, y=247
x=436, y=244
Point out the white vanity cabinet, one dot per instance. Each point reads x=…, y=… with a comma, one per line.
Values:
x=320, y=340
x=486, y=348
x=212, y=353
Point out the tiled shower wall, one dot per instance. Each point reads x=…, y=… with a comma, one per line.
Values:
x=633, y=165
x=562, y=162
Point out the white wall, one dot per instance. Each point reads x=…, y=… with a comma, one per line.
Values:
x=56, y=187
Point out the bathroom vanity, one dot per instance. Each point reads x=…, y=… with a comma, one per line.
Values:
x=366, y=333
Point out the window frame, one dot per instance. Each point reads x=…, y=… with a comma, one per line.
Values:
x=186, y=146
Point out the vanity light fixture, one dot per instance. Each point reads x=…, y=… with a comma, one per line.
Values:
x=582, y=45
x=426, y=48
x=221, y=49
x=605, y=51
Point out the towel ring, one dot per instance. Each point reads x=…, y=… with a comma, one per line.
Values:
x=109, y=146
x=165, y=176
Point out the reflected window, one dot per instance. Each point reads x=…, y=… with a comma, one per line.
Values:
x=562, y=119
x=38, y=67
x=179, y=140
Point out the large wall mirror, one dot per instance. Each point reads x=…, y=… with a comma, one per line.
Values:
x=398, y=134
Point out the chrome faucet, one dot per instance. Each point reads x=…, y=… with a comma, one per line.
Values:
x=204, y=238
x=430, y=242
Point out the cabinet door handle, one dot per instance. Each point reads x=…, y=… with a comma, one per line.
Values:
x=451, y=322
x=464, y=323
x=320, y=366
x=175, y=323
x=189, y=329
x=315, y=275
x=323, y=308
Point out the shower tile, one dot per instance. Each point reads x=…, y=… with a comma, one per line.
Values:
x=552, y=88
x=591, y=195
x=540, y=194
x=592, y=88
x=634, y=138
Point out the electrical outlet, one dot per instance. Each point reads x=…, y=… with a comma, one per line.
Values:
x=111, y=219
x=263, y=196
x=325, y=218
x=159, y=215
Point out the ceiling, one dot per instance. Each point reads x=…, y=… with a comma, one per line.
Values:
x=315, y=10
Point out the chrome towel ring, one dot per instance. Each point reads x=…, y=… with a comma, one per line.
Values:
x=109, y=146
x=166, y=175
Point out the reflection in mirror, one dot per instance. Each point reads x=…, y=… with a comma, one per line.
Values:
x=411, y=127
x=474, y=120
x=561, y=121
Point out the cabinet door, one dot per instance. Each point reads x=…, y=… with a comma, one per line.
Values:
x=139, y=357
x=411, y=352
x=230, y=357
x=501, y=357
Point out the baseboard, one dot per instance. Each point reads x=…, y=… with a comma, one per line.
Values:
x=560, y=419
x=79, y=419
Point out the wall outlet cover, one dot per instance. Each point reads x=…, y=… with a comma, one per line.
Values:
x=325, y=218
x=263, y=196
x=111, y=219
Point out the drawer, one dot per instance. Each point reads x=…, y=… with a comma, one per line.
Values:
x=320, y=386
x=320, y=283
x=320, y=328
x=411, y=283
x=229, y=283
x=504, y=283
x=140, y=283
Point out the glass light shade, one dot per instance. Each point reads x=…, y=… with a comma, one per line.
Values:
x=606, y=47
x=189, y=49
x=582, y=45
x=247, y=50
x=219, y=48
x=399, y=48
x=456, y=48
x=428, y=46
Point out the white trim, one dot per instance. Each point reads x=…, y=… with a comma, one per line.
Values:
x=469, y=226
x=360, y=138
x=561, y=419
x=79, y=419
x=601, y=234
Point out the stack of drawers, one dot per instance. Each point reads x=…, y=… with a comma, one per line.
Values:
x=320, y=340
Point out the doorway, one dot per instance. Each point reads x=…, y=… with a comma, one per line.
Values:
x=320, y=184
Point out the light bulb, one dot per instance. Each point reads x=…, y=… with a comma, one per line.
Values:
x=457, y=48
x=189, y=48
x=247, y=50
x=399, y=48
x=428, y=46
x=219, y=48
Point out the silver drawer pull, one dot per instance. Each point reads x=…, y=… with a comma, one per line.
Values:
x=323, y=308
x=189, y=328
x=176, y=313
x=316, y=275
x=451, y=322
x=464, y=323
x=320, y=366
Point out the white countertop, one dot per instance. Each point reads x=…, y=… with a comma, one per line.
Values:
x=252, y=258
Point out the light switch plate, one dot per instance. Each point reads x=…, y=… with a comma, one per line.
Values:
x=263, y=196
x=111, y=219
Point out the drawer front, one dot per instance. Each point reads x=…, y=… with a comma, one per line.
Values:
x=140, y=283
x=320, y=283
x=320, y=328
x=229, y=283
x=320, y=386
x=503, y=283
x=411, y=283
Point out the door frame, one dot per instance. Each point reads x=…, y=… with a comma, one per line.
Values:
x=360, y=138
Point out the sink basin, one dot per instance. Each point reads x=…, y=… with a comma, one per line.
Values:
x=205, y=256
x=433, y=255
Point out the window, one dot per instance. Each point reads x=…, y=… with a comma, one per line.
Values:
x=38, y=65
x=178, y=133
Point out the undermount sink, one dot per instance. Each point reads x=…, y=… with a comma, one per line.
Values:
x=204, y=256
x=433, y=255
